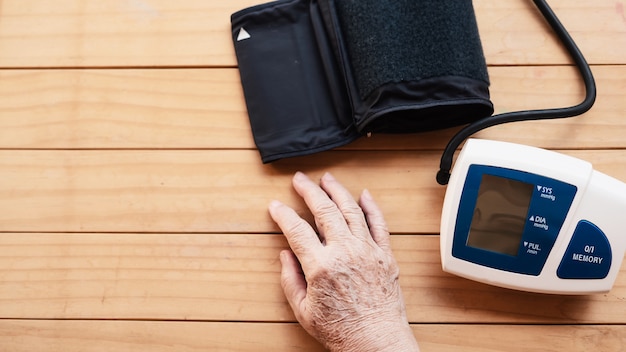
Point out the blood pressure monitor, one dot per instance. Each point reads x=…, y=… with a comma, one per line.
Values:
x=530, y=219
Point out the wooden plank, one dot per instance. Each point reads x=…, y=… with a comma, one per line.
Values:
x=77, y=109
x=123, y=109
x=127, y=336
x=77, y=33
x=195, y=191
x=148, y=33
x=123, y=336
x=514, y=33
x=208, y=191
x=235, y=277
x=516, y=338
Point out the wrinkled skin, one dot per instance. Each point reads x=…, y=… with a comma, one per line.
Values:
x=342, y=280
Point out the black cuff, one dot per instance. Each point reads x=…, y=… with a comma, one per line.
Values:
x=317, y=74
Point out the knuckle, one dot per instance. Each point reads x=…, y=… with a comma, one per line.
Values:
x=296, y=227
x=380, y=228
x=287, y=284
x=296, y=233
x=353, y=214
x=325, y=210
x=351, y=209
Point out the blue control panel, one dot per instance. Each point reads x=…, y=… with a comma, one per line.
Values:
x=510, y=219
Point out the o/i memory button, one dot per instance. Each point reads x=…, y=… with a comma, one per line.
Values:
x=588, y=254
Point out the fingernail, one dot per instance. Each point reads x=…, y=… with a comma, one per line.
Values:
x=299, y=176
x=281, y=256
x=329, y=177
x=367, y=195
x=274, y=204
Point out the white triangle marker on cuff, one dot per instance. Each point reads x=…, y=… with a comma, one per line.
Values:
x=243, y=35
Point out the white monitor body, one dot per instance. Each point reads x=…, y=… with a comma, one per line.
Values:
x=530, y=219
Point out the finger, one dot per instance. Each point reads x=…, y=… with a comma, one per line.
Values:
x=320, y=232
x=350, y=209
x=293, y=282
x=301, y=237
x=328, y=218
x=376, y=221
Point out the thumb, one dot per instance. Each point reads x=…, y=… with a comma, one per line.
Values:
x=293, y=282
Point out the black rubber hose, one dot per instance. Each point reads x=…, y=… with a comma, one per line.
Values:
x=443, y=175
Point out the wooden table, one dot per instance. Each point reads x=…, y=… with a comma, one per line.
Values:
x=133, y=203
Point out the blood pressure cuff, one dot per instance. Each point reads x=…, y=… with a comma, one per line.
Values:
x=318, y=74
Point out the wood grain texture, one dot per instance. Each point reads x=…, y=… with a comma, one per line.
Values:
x=133, y=204
x=213, y=190
x=226, y=277
x=126, y=336
x=148, y=33
x=205, y=109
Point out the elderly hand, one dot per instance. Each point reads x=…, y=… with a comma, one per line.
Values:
x=342, y=281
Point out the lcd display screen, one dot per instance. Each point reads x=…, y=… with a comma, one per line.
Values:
x=500, y=215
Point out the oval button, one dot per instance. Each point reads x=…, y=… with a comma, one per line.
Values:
x=588, y=254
